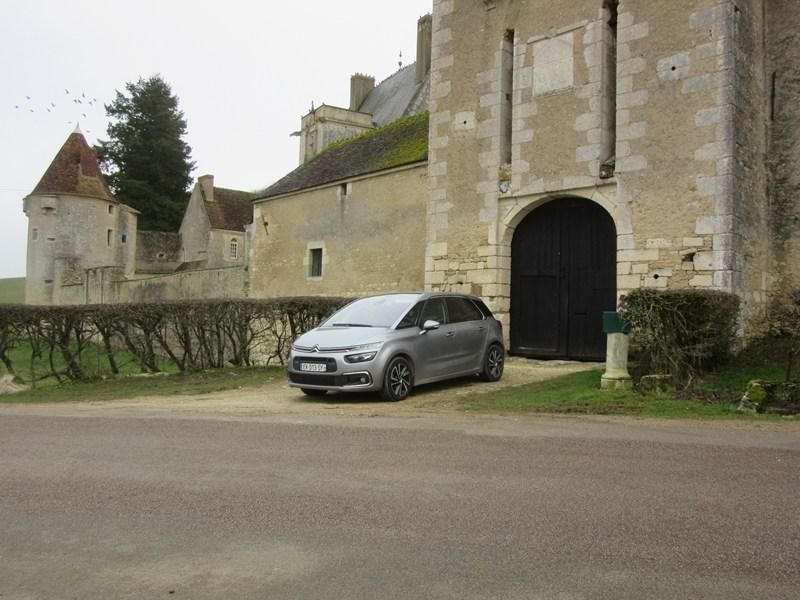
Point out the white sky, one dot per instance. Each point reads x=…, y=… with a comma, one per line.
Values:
x=245, y=72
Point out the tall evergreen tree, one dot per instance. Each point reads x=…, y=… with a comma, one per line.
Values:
x=146, y=161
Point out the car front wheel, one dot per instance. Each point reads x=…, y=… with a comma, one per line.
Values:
x=398, y=379
x=493, y=363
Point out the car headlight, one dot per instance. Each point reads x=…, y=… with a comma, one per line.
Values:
x=365, y=347
x=360, y=357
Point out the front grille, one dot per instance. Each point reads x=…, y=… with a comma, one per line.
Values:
x=312, y=379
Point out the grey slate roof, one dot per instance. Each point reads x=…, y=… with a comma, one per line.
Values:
x=392, y=98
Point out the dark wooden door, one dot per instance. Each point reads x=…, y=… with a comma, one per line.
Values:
x=563, y=276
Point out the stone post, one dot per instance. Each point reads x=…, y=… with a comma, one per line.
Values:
x=616, y=376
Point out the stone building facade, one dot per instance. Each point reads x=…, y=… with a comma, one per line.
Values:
x=571, y=152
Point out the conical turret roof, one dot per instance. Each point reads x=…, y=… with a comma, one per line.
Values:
x=75, y=171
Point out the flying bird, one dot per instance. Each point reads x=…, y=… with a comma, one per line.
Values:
x=67, y=91
x=28, y=97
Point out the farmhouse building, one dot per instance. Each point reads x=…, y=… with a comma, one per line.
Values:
x=546, y=156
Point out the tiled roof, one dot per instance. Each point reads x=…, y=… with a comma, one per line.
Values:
x=399, y=143
x=74, y=170
x=231, y=209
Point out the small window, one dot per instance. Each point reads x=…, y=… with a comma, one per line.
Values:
x=109, y=235
x=234, y=248
x=35, y=234
x=124, y=238
x=111, y=209
x=315, y=262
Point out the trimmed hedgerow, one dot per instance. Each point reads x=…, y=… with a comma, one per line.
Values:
x=191, y=335
x=680, y=332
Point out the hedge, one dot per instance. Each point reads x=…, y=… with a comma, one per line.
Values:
x=192, y=335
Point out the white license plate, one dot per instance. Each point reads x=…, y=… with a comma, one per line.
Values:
x=314, y=367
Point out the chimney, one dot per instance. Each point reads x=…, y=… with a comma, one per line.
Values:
x=360, y=87
x=424, y=39
x=206, y=183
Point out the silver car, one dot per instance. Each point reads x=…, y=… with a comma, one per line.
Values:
x=391, y=343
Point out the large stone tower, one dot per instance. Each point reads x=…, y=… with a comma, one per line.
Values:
x=76, y=230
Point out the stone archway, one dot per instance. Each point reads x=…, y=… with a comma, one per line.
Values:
x=563, y=276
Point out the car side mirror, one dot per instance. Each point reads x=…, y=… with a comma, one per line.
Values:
x=429, y=325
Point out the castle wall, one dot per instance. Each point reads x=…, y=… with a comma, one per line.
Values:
x=783, y=45
x=186, y=285
x=157, y=252
x=688, y=192
x=369, y=230
x=69, y=234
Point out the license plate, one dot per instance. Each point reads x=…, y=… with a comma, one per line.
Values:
x=313, y=367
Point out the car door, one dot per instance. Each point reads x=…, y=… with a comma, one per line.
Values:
x=469, y=333
x=434, y=348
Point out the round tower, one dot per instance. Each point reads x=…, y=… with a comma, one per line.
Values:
x=76, y=229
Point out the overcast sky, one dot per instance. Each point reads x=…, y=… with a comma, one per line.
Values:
x=245, y=72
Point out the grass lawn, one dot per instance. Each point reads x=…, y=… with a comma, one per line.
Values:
x=12, y=291
x=93, y=361
x=118, y=388
x=580, y=393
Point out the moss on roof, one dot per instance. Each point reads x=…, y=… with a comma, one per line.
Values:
x=399, y=143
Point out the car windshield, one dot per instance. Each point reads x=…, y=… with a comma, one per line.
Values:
x=377, y=311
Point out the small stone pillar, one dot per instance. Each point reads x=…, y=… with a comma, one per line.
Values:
x=616, y=376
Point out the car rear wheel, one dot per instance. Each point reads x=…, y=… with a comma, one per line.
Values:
x=493, y=363
x=398, y=379
x=314, y=393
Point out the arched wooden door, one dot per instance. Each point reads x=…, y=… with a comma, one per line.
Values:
x=563, y=276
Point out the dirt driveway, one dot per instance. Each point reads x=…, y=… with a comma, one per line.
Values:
x=277, y=397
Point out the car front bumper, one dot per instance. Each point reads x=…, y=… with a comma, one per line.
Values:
x=337, y=376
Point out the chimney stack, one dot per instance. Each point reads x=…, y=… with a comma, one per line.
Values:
x=424, y=42
x=360, y=87
x=206, y=187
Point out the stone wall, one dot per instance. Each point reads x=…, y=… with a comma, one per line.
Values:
x=187, y=285
x=688, y=193
x=783, y=45
x=370, y=232
x=158, y=252
x=68, y=234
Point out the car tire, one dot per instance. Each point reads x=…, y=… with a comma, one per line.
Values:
x=398, y=379
x=314, y=393
x=493, y=363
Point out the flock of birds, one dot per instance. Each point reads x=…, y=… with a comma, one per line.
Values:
x=81, y=102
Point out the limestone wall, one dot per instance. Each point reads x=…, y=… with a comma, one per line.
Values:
x=784, y=137
x=370, y=232
x=188, y=285
x=688, y=192
x=68, y=234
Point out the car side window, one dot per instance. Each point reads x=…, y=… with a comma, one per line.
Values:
x=434, y=311
x=484, y=309
x=412, y=317
x=461, y=309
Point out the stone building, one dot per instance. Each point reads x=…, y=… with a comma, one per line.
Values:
x=550, y=157
x=84, y=246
